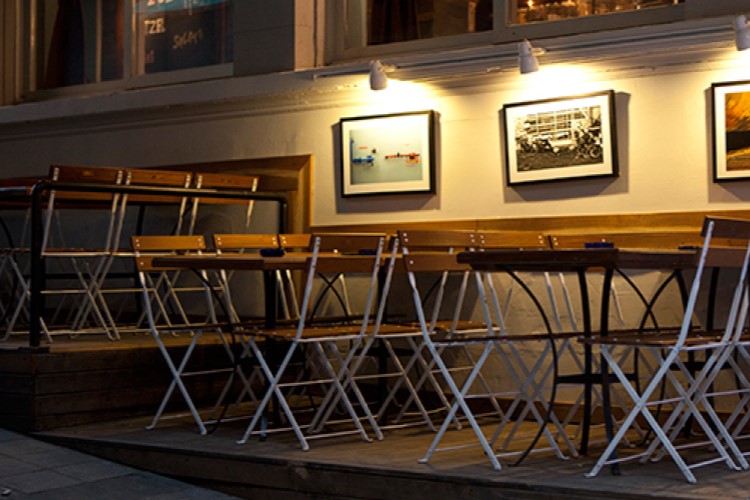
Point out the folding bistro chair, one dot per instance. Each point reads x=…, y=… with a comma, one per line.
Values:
x=688, y=401
x=530, y=380
x=155, y=212
x=329, y=347
x=476, y=343
x=380, y=361
x=167, y=315
x=418, y=378
x=72, y=255
x=667, y=239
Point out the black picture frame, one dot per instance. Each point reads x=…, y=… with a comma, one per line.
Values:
x=730, y=111
x=564, y=138
x=388, y=154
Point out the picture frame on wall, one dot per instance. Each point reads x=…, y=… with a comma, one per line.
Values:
x=730, y=104
x=558, y=139
x=388, y=154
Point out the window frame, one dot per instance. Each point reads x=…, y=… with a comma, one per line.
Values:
x=507, y=33
x=130, y=80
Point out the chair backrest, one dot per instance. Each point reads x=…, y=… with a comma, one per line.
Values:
x=437, y=239
x=219, y=181
x=85, y=175
x=435, y=250
x=245, y=241
x=156, y=179
x=511, y=239
x=147, y=247
x=434, y=253
x=348, y=242
x=59, y=198
x=295, y=241
x=727, y=237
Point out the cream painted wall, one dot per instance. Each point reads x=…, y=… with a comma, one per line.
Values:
x=662, y=110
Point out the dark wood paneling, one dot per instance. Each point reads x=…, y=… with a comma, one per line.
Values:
x=604, y=222
x=83, y=382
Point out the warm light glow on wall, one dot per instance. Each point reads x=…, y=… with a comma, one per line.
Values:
x=400, y=95
x=735, y=66
x=568, y=78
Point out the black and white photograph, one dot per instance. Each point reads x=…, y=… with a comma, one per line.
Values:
x=563, y=138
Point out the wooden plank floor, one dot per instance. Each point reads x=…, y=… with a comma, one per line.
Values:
x=346, y=467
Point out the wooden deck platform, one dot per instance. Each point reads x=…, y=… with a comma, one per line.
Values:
x=97, y=396
x=347, y=467
x=89, y=378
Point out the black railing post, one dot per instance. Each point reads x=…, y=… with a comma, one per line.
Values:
x=37, y=269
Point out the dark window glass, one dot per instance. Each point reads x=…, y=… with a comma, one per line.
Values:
x=391, y=21
x=80, y=41
x=180, y=34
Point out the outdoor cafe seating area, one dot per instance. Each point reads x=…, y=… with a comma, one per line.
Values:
x=623, y=346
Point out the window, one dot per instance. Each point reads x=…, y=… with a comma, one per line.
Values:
x=397, y=20
x=378, y=27
x=87, y=41
x=80, y=41
x=179, y=34
x=531, y=11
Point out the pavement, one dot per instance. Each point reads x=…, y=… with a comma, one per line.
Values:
x=30, y=468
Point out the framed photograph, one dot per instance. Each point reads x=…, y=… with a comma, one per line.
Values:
x=564, y=138
x=731, y=130
x=388, y=154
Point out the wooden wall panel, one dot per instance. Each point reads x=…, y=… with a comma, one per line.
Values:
x=562, y=224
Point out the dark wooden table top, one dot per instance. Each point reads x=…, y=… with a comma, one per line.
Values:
x=255, y=261
x=580, y=259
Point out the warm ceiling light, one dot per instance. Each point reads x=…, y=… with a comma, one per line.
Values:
x=378, y=76
x=527, y=61
x=741, y=33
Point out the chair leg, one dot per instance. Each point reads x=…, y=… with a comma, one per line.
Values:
x=176, y=372
x=460, y=402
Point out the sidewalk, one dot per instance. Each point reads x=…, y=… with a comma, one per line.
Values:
x=35, y=469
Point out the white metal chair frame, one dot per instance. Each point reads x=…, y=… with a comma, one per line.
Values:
x=86, y=264
x=333, y=365
x=156, y=293
x=692, y=394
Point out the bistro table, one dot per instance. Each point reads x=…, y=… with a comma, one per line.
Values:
x=581, y=262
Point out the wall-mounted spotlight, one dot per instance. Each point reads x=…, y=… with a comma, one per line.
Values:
x=378, y=76
x=741, y=33
x=527, y=61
